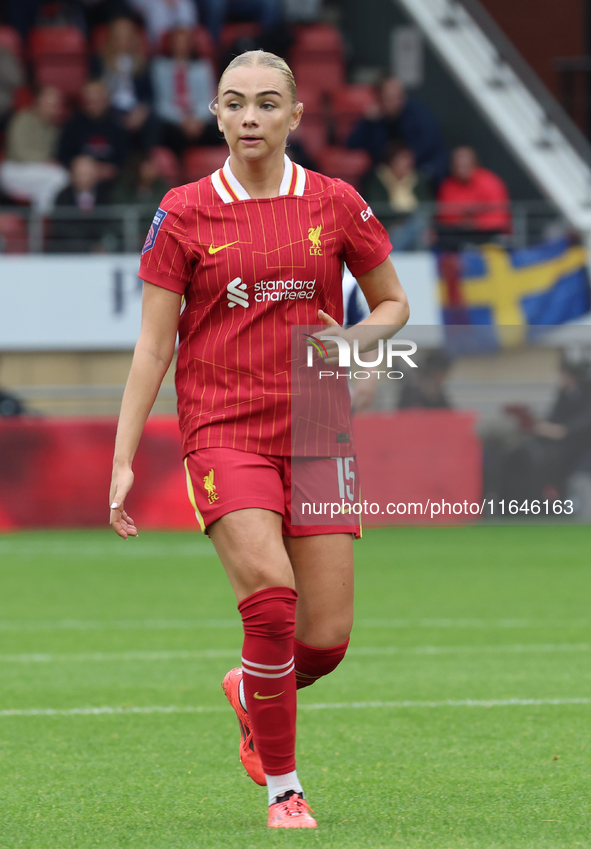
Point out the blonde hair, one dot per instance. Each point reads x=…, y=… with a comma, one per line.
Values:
x=260, y=58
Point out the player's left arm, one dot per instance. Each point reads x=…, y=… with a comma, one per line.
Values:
x=387, y=302
x=385, y=296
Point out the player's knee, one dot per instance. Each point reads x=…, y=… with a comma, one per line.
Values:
x=270, y=613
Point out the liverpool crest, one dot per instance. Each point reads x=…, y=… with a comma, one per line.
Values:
x=212, y=495
x=314, y=236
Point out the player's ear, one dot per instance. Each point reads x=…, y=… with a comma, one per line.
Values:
x=215, y=110
x=296, y=116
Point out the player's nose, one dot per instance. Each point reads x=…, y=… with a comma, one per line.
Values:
x=250, y=116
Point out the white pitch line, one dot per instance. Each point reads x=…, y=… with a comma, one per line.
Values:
x=121, y=711
x=117, y=624
x=363, y=651
x=184, y=624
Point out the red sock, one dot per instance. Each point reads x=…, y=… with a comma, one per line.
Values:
x=269, y=680
x=311, y=664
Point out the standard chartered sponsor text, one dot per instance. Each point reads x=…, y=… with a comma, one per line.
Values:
x=284, y=290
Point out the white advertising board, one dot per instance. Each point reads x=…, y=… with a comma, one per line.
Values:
x=93, y=302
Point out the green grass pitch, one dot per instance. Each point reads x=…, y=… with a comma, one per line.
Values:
x=460, y=717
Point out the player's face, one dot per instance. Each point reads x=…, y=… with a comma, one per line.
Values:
x=256, y=112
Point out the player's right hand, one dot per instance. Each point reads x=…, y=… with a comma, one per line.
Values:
x=120, y=521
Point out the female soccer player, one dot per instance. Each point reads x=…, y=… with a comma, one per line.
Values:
x=254, y=249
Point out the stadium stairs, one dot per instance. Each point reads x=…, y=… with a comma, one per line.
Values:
x=520, y=109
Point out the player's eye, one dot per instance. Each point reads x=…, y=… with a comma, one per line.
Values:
x=268, y=106
x=234, y=105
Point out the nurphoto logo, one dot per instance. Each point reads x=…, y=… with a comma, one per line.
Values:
x=386, y=351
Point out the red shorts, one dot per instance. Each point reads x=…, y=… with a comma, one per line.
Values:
x=302, y=489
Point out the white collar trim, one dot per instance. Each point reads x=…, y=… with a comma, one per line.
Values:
x=241, y=192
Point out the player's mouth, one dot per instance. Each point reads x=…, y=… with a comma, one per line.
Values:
x=250, y=141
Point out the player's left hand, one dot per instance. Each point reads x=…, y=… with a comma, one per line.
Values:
x=333, y=328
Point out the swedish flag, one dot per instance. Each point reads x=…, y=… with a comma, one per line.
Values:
x=546, y=284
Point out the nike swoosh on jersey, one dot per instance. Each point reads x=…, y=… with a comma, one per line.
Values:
x=257, y=696
x=213, y=249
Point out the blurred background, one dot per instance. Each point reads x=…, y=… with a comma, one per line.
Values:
x=464, y=124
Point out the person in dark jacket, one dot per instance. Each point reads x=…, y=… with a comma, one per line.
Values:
x=93, y=131
x=81, y=229
x=123, y=69
x=399, y=117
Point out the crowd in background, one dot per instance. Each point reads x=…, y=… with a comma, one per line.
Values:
x=139, y=119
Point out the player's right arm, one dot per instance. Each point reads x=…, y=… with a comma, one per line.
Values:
x=152, y=357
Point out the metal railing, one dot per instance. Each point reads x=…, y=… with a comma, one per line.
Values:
x=122, y=228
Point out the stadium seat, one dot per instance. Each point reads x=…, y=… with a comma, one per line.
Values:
x=233, y=31
x=59, y=57
x=11, y=40
x=23, y=97
x=13, y=234
x=318, y=41
x=203, y=44
x=312, y=99
x=322, y=75
x=68, y=74
x=99, y=34
x=167, y=165
x=200, y=161
x=349, y=165
x=56, y=41
x=311, y=134
x=350, y=103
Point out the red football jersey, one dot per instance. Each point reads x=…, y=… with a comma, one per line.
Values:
x=250, y=269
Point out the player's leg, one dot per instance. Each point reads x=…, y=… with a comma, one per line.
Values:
x=323, y=569
x=250, y=545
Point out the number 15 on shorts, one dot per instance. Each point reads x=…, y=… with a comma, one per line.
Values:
x=346, y=478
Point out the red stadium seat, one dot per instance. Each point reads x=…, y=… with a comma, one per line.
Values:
x=10, y=39
x=99, y=35
x=203, y=44
x=13, y=234
x=201, y=161
x=318, y=41
x=23, y=97
x=233, y=31
x=68, y=74
x=311, y=134
x=167, y=165
x=59, y=57
x=312, y=99
x=322, y=75
x=56, y=41
x=349, y=165
x=349, y=104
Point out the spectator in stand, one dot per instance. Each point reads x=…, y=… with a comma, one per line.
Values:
x=183, y=88
x=93, y=131
x=396, y=116
x=397, y=182
x=426, y=389
x=123, y=69
x=30, y=171
x=12, y=76
x=473, y=202
x=82, y=231
x=160, y=16
x=269, y=13
x=141, y=185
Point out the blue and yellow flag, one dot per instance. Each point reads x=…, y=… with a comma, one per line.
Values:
x=547, y=284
